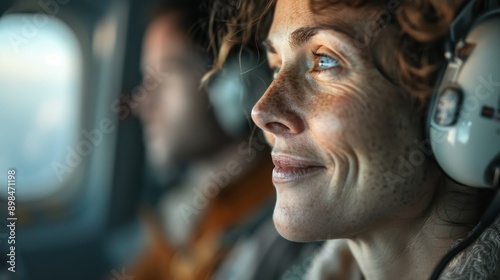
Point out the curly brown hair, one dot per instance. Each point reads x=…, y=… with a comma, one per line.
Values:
x=421, y=27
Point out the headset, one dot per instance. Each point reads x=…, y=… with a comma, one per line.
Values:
x=463, y=118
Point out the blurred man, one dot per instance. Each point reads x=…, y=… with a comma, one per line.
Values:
x=179, y=125
x=225, y=198
x=217, y=192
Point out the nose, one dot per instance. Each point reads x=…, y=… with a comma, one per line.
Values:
x=277, y=112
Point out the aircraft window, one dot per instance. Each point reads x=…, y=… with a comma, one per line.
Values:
x=41, y=78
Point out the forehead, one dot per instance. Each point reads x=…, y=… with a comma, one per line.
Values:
x=163, y=38
x=297, y=13
x=291, y=15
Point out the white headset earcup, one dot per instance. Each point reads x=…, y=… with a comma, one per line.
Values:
x=466, y=147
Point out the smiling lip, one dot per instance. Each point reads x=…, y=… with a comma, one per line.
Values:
x=288, y=169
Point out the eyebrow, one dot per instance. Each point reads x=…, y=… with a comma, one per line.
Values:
x=302, y=35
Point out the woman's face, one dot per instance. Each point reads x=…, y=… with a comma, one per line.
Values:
x=343, y=137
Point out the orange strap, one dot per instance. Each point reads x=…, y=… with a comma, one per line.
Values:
x=203, y=253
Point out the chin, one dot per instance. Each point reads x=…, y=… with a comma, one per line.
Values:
x=299, y=222
x=295, y=227
x=158, y=160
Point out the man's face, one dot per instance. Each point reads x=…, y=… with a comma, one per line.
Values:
x=176, y=114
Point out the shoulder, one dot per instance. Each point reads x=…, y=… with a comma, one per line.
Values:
x=481, y=260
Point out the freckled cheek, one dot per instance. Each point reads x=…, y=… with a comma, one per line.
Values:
x=329, y=132
x=343, y=127
x=337, y=123
x=335, y=131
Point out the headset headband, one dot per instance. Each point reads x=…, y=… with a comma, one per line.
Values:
x=462, y=23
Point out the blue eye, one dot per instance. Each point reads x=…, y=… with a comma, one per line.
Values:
x=324, y=62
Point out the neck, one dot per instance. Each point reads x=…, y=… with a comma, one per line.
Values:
x=410, y=248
